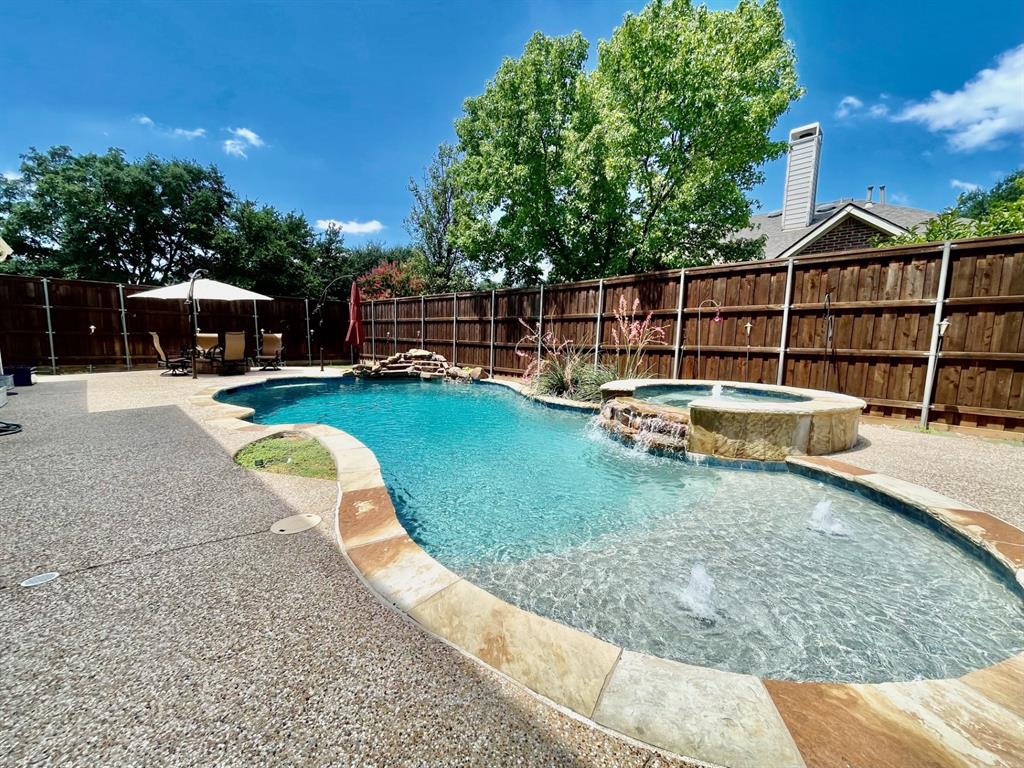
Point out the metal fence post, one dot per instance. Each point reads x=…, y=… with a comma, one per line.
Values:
x=309, y=334
x=679, y=325
x=124, y=328
x=423, y=322
x=455, y=327
x=49, y=325
x=598, y=324
x=491, y=358
x=540, y=323
x=395, y=323
x=256, y=323
x=373, y=331
x=784, y=334
x=933, y=346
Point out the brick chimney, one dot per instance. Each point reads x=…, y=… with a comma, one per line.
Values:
x=801, y=176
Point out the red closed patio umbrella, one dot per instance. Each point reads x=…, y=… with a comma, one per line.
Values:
x=354, y=336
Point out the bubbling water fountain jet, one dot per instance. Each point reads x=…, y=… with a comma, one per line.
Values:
x=716, y=391
x=699, y=596
x=823, y=520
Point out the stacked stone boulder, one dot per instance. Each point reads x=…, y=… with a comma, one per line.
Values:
x=659, y=428
x=415, y=364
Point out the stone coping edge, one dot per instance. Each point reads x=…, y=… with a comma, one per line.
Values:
x=713, y=716
x=818, y=402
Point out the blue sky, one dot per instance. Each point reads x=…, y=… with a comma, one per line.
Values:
x=329, y=108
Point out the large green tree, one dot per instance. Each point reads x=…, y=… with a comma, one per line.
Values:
x=263, y=250
x=644, y=163
x=689, y=97
x=532, y=171
x=437, y=205
x=103, y=217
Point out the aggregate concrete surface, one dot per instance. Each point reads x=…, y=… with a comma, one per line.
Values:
x=988, y=474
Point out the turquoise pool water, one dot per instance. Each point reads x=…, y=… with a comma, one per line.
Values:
x=810, y=582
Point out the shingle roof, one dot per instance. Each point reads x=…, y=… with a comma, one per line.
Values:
x=778, y=241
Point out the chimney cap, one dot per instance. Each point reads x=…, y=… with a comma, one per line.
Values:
x=808, y=131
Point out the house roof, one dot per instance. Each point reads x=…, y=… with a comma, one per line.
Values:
x=826, y=215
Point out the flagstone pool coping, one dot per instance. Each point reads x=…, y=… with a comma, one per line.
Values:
x=714, y=716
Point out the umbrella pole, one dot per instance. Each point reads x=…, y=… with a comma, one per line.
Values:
x=195, y=319
x=195, y=337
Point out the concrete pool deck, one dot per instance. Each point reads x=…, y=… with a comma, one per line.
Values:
x=181, y=621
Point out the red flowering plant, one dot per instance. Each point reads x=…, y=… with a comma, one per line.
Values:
x=632, y=337
x=391, y=279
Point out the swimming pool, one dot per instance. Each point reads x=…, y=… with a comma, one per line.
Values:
x=766, y=573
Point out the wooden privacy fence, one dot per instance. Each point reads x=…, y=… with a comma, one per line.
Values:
x=78, y=323
x=936, y=324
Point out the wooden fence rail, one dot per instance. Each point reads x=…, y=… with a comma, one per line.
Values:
x=934, y=329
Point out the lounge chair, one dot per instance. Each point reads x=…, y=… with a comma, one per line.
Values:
x=233, y=359
x=174, y=365
x=271, y=358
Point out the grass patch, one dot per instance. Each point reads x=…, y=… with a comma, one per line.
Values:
x=289, y=454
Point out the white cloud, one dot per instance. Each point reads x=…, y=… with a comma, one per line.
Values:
x=898, y=198
x=195, y=133
x=249, y=137
x=177, y=133
x=850, y=107
x=989, y=107
x=235, y=147
x=964, y=186
x=11, y=175
x=847, y=106
x=351, y=227
x=244, y=139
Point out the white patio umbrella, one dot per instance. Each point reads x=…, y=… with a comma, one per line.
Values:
x=202, y=289
x=198, y=288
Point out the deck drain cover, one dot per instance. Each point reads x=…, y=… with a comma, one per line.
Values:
x=295, y=524
x=40, y=578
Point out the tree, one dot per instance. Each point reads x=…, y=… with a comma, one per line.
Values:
x=101, y=217
x=643, y=164
x=1001, y=214
x=532, y=172
x=432, y=224
x=689, y=97
x=328, y=260
x=980, y=202
x=263, y=250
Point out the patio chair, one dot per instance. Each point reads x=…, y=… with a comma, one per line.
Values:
x=233, y=359
x=272, y=356
x=174, y=365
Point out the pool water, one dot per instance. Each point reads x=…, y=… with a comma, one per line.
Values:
x=810, y=582
x=681, y=395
